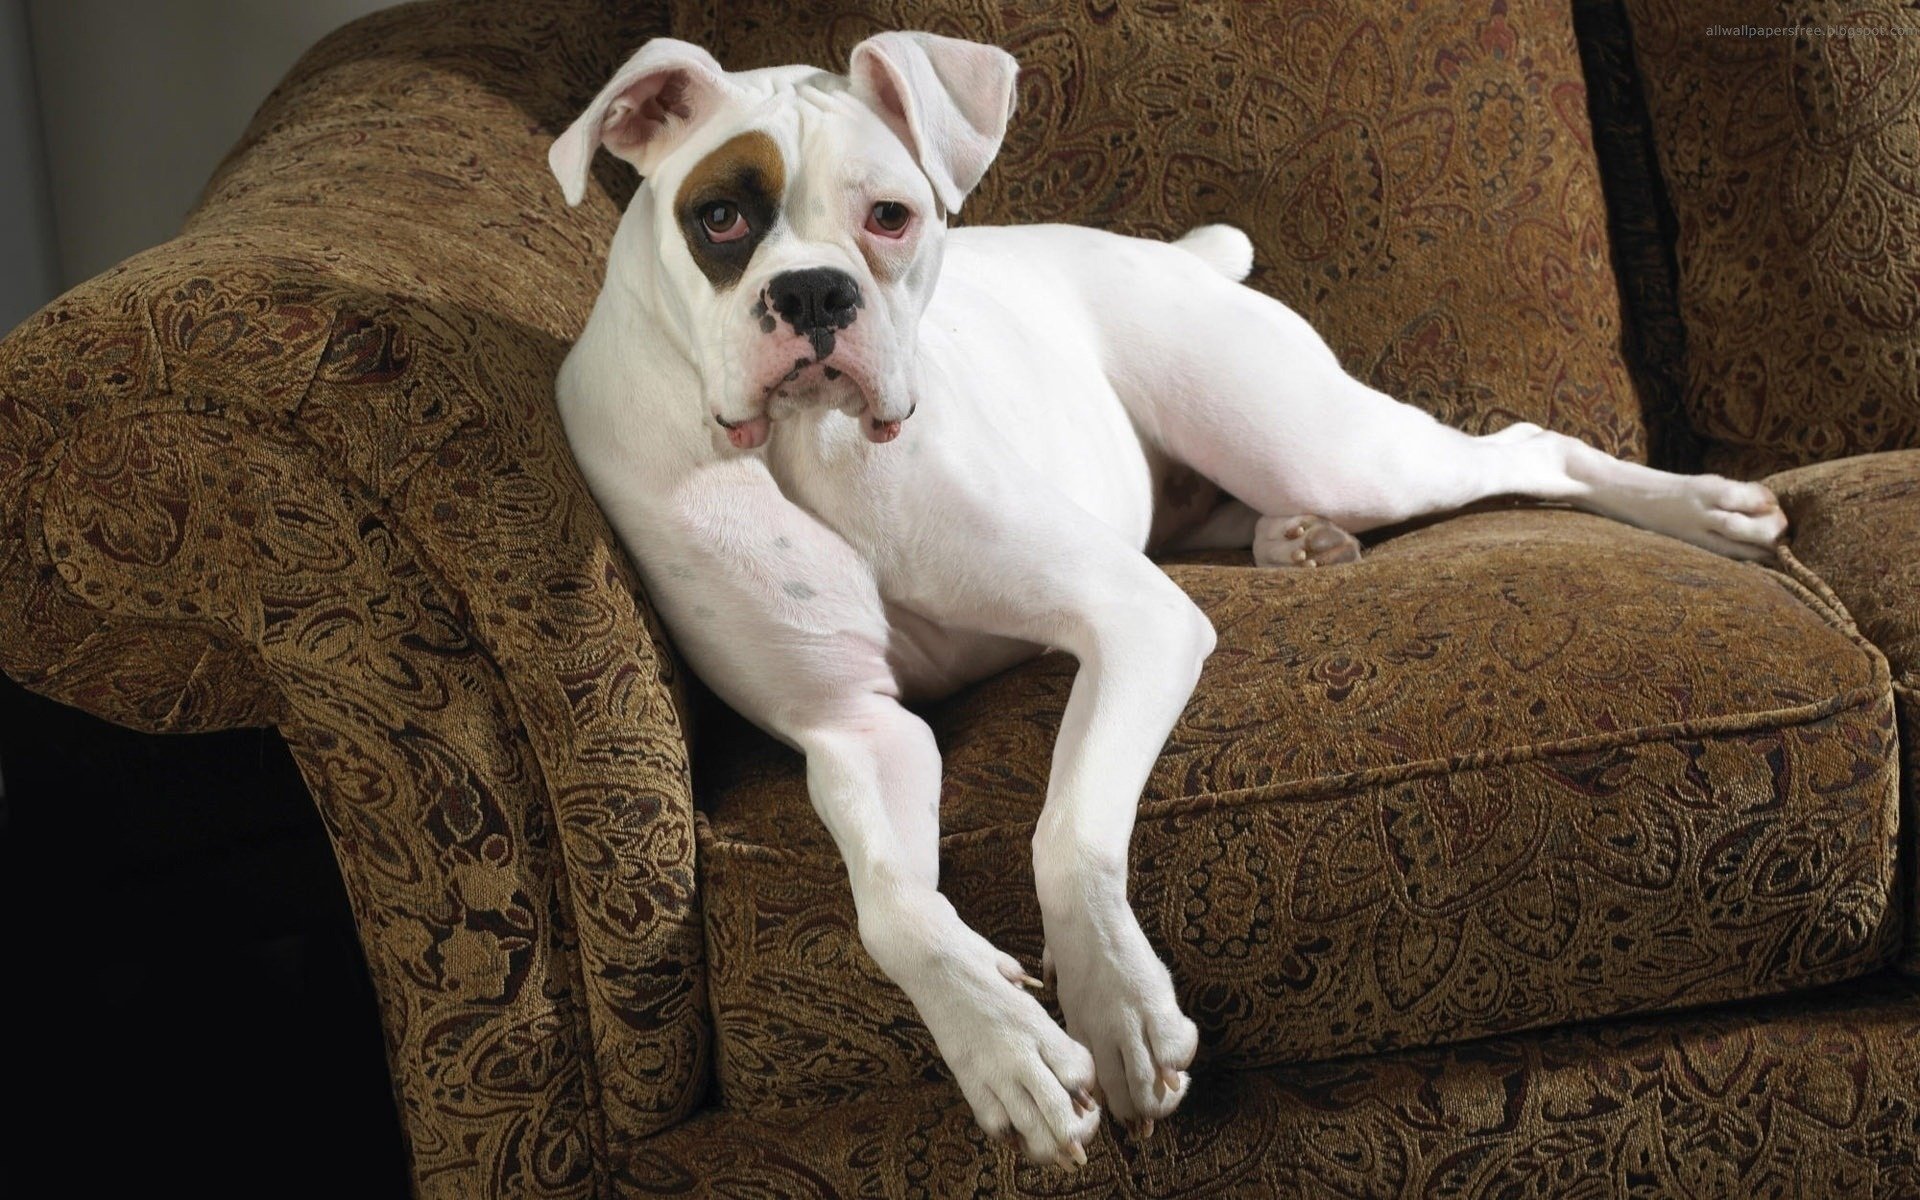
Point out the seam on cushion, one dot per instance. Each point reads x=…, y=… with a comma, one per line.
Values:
x=705, y=841
x=1814, y=591
x=1807, y=582
x=1329, y=785
x=165, y=381
x=1907, y=841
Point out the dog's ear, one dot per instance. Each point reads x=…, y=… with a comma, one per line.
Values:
x=949, y=100
x=661, y=94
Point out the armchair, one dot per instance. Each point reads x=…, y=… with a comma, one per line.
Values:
x=300, y=466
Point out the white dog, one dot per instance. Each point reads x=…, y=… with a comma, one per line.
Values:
x=782, y=295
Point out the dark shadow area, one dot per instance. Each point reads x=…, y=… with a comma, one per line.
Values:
x=189, y=1003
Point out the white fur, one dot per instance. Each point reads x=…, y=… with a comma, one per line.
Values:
x=1054, y=374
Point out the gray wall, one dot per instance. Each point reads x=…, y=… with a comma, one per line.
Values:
x=29, y=273
x=137, y=102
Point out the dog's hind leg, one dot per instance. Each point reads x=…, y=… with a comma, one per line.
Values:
x=1239, y=387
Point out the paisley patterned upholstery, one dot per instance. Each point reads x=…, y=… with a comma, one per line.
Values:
x=1813, y=1099
x=1511, y=770
x=1793, y=164
x=299, y=466
x=1849, y=519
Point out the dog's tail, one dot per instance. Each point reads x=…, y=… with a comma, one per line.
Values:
x=1222, y=247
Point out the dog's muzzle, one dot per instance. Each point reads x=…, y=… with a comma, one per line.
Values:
x=817, y=305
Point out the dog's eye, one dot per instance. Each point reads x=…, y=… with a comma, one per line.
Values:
x=889, y=218
x=723, y=222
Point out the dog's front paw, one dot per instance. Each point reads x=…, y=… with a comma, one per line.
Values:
x=1118, y=1000
x=1026, y=1080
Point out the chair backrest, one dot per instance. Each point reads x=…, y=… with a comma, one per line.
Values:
x=1419, y=181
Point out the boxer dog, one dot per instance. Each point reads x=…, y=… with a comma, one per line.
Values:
x=862, y=460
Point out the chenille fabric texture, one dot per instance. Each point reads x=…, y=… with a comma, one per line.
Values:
x=1501, y=863
x=1793, y=165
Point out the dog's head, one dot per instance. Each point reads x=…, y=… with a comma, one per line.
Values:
x=789, y=222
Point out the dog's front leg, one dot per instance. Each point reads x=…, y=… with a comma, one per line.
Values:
x=873, y=774
x=1039, y=568
x=783, y=619
x=1140, y=657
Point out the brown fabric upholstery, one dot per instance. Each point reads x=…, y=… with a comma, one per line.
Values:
x=300, y=464
x=1419, y=183
x=1510, y=770
x=1814, y=1100
x=1856, y=523
x=1794, y=166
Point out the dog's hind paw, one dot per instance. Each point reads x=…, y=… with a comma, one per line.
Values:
x=1302, y=541
x=1726, y=516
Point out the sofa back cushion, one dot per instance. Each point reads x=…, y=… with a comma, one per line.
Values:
x=1793, y=164
x=1419, y=181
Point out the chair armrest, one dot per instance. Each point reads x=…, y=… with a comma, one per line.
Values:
x=301, y=465
x=1854, y=522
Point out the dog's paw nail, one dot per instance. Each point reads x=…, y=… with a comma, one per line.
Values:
x=1168, y=1080
x=1296, y=531
x=1300, y=555
x=1028, y=981
x=1083, y=1102
x=1077, y=1154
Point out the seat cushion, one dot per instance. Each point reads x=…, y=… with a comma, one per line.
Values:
x=1856, y=524
x=1510, y=770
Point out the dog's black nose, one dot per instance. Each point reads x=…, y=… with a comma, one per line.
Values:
x=815, y=298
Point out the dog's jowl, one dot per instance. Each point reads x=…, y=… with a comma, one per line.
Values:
x=782, y=295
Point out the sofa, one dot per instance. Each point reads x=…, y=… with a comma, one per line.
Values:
x=1532, y=855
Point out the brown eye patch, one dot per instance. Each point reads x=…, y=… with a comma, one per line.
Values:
x=745, y=173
